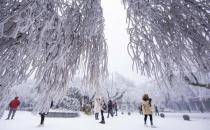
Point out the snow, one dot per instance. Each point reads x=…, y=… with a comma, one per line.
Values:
x=172, y=121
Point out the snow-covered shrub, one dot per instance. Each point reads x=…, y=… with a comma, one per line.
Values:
x=162, y=115
x=186, y=117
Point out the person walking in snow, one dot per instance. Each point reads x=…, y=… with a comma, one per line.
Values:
x=103, y=109
x=13, y=105
x=110, y=108
x=146, y=109
x=115, y=108
x=43, y=114
x=97, y=108
x=140, y=109
x=156, y=110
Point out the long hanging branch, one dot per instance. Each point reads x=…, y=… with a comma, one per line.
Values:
x=169, y=37
x=49, y=39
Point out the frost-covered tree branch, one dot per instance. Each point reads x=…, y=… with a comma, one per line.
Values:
x=196, y=83
x=169, y=38
x=50, y=39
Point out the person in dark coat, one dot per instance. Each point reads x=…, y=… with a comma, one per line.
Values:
x=156, y=110
x=13, y=105
x=115, y=108
x=42, y=114
x=140, y=109
x=110, y=108
x=103, y=108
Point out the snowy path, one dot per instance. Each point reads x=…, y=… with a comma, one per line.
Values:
x=28, y=121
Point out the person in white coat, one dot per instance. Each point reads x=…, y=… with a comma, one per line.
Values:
x=97, y=108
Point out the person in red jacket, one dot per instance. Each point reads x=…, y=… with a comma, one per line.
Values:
x=13, y=105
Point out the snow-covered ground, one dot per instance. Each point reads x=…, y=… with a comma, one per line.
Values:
x=173, y=121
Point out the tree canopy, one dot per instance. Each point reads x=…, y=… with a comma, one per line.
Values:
x=170, y=38
x=50, y=40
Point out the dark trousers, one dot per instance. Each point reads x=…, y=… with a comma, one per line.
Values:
x=116, y=112
x=42, y=118
x=96, y=116
x=157, y=113
x=11, y=111
x=110, y=112
x=102, y=116
x=145, y=119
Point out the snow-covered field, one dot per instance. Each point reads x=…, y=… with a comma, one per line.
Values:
x=173, y=121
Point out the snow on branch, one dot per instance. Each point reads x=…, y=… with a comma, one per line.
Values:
x=196, y=83
x=50, y=39
x=169, y=37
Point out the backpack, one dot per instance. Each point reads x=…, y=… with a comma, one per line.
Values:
x=104, y=106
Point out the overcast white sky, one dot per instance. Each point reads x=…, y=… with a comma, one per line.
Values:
x=117, y=40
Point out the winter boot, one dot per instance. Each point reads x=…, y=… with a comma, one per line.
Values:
x=102, y=122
